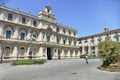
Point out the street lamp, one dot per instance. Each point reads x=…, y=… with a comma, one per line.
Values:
x=30, y=52
x=1, y=59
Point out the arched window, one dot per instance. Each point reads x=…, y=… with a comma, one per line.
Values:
x=23, y=20
x=7, y=51
x=22, y=51
x=22, y=36
x=8, y=34
x=48, y=38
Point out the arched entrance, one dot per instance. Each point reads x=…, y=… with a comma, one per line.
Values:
x=49, y=55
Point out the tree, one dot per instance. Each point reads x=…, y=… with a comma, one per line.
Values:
x=109, y=52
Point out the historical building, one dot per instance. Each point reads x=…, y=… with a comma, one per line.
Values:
x=88, y=44
x=24, y=36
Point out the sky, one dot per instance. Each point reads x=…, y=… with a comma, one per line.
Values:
x=88, y=17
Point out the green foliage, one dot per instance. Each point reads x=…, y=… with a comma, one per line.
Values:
x=28, y=62
x=109, y=52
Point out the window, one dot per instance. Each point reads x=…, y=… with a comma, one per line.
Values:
x=69, y=42
x=22, y=36
x=48, y=38
x=74, y=34
x=69, y=32
x=63, y=30
x=7, y=51
x=8, y=34
x=43, y=34
x=64, y=41
x=57, y=29
x=22, y=51
x=74, y=42
x=23, y=20
x=34, y=23
x=10, y=16
x=58, y=40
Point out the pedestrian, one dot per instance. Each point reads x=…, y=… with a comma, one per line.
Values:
x=86, y=59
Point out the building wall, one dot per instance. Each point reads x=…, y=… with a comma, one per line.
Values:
x=88, y=44
x=19, y=47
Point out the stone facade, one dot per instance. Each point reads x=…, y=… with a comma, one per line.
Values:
x=88, y=44
x=24, y=36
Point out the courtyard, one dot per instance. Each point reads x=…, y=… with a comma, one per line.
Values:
x=66, y=69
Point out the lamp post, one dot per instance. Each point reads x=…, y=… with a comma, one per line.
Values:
x=30, y=52
x=1, y=59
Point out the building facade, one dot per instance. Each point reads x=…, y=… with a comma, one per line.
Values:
x=88, y=44
x=24, y=36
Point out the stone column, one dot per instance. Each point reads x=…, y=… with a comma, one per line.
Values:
x=68, y=54
x=16, y=32
x=89, y=50
x=55, y=53
x=67, y=42
x=74, y=54
x=45, y=37
x=42, y=54
x=96, y=51
x=40, y=36
x=15, y=52
x=83, y=50
x=2, y=29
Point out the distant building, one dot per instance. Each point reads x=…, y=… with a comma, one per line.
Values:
x=88, y=44
x=24, y=36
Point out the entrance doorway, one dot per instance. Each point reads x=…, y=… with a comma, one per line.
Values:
x=49, y=55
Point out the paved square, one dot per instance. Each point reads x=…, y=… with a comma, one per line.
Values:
x=68, y=69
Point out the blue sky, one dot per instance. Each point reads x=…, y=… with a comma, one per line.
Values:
x=87, y=16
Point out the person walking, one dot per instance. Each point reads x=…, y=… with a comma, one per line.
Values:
x=86, y=59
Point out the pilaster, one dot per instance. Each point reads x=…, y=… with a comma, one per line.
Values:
x=15, y=51
x=1, y=29
x=16, y=32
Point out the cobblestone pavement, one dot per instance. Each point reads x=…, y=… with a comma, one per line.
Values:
x=67, y=69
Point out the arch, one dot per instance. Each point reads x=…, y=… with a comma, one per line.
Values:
x=22, y=35
x=7, y=51
x=8, y=32
x=22, y=51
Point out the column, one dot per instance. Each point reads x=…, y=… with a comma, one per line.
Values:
x=83, y=50
x=2, y=29
x=15, y=52
x=42, y=54
x=45, y=37
x=68, y=54
x=28, y=34
x=67, y=41
x=78, y=53
x=16, y=32
x=96, y=50
x=89, y=50
x=40, y=36
x=62, y=54
x=74, y=54
x=61, y=41
x=55, y=53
